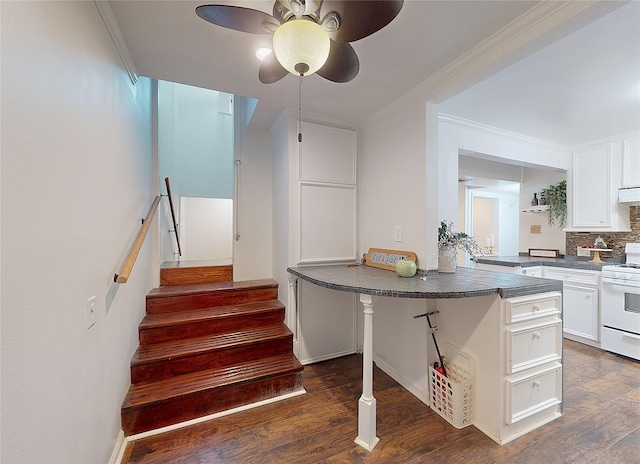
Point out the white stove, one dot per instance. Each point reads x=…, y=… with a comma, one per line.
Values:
x=628, y=272
x=620, y=305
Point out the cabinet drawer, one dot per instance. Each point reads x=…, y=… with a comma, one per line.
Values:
x=573, y=275
x=528, y=307
x=529, y=394
x=624, y=343
x=533, y=345
x=533, y=271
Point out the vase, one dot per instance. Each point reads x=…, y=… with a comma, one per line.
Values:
x=447, y=259
x=534, y=201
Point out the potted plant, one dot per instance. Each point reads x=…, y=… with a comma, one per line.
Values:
x=449, y=242
x=556, y=197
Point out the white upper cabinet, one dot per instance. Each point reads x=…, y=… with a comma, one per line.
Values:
x=327, y=196
x=631, y=162
x=596, y=176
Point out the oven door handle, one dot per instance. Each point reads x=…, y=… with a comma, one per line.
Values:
x=619, y=283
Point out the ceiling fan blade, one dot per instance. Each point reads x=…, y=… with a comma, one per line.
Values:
x=238, y=18
x=271, y=70
x=359, y=18
x=342, y=65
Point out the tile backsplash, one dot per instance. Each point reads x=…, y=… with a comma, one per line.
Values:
x=614, y=240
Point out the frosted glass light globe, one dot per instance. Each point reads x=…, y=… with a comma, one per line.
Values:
x=301, y=46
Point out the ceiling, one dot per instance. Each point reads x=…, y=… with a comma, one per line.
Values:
x=561, y=83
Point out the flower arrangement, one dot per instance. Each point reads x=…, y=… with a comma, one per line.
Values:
x=449, y=238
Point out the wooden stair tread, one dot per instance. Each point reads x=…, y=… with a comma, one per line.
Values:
x=202, y=314
x=143, y=394
x=196, y=263
x=195, y=289
x=181, y=348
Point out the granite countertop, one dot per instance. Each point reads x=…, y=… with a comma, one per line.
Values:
x=528, y=261
x=463, y=283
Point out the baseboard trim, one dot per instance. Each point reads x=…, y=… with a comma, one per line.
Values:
x=121, y=445
x=413, y=388
x=118, y=450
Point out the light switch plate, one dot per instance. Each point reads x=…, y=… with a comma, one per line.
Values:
x=397, y=234
x=91, y=312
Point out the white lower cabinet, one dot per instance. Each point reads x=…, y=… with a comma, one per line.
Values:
x=327, y=323
x=581, y=311
x=532, y=385
x=581, y=303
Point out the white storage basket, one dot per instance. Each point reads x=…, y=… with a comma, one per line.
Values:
x=452, y=396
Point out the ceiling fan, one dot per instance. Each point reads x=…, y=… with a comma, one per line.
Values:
x=309, y=35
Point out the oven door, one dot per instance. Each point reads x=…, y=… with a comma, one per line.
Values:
x=620, y=305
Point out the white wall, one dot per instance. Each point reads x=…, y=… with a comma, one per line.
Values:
x=252, y=254
x=284, y=183
x=458, y=135
x=392, y=187
x=392, y=182
x=195, y=141
x=506, y=225
x=76, y=180
x=534, y=180
x=206, y=228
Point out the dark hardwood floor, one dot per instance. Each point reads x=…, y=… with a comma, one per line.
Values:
x=601, y=424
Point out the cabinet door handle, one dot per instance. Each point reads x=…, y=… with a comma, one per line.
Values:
x=536, y=307
x=536, y=383
x=536, y=334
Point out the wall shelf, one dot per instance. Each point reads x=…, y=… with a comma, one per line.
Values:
x=536, y=209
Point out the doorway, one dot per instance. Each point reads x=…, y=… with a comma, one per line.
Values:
x=196, y=152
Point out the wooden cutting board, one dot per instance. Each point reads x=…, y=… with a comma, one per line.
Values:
x=386, y=259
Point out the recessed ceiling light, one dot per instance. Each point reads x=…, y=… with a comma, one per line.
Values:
x=261, y=53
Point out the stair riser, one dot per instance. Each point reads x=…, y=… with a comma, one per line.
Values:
x=228, y=356
x=170, y=412
x=210, y=327
x=196, y=275
x=182, y=303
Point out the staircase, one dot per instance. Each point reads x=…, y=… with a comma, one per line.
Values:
x=207, y=345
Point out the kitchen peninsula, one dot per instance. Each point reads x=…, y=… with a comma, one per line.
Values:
x=511, y=324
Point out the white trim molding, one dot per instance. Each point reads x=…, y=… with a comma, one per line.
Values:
x=109, y=20
x=485, y=129
x=488, y=55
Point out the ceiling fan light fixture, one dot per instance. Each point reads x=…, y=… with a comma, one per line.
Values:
x=301, y=46
x=262, y=53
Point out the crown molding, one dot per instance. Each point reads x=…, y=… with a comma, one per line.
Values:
x=109, y=20
x=485, y=129
x=603, y=140
x=531, y=25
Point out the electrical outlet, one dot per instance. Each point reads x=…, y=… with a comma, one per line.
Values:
x=397, y=234
x=91, y=312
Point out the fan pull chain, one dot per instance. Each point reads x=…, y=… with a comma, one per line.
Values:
x=300, y=109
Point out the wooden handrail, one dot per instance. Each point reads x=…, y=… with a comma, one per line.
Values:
x=123, y=276
x=173, y=214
